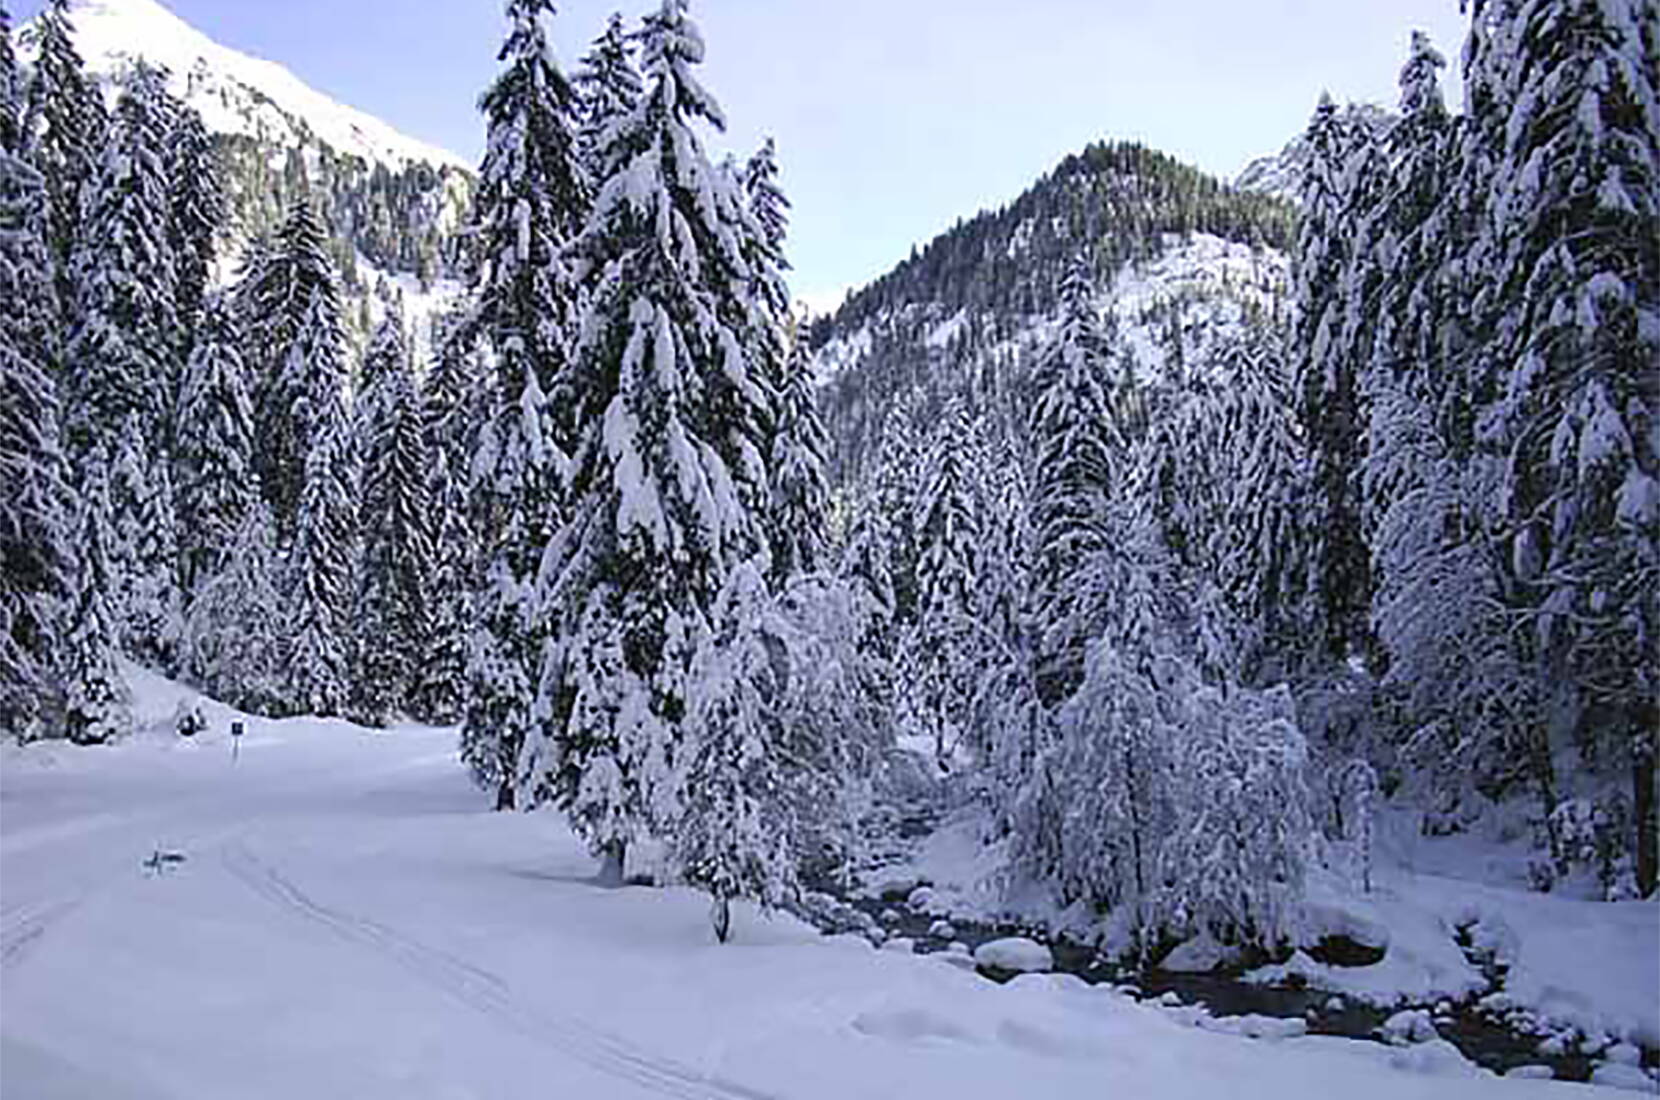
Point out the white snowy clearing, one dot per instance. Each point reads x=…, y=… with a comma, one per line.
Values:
x=350, y=921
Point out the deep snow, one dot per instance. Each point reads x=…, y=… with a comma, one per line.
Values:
x=351, y=922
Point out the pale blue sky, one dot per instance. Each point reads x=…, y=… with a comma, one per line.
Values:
x=893, y=117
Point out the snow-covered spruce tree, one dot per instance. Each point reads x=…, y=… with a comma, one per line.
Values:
x=122, y=355
x=143, y=550
x=800, y=487
x=530, y=203
x=196, y=212
x=729, y=839
x=233, y=638
x=452, y=401
x=763, y=243
x=393, y=608
x=608, y=88
x=96, y=699
x=1326, y=391
x=1077, y=458
x=1260, y=546
x=947, y=638
x=35, y=511
x=288, y=293
x=213, y=455
x=318, y=596
x=669, y=473
x=64, y=122
x=1407, y=360
x=895, y=493
x=1576, y=221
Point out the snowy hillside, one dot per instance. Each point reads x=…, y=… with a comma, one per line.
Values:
x=1213, y=282
x=236, y=93
x=347, y=920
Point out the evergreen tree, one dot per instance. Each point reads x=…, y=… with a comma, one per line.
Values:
x=1328, y=401
x=196, y=212
x=729, y=839
x=217, y=487
x=35, y=561
x=530, y=203
x=608, y=89
x=1078, y=453
x=1577, y=243
x=65, y=127
x=288, y=295
x=233, y=636
x=947, y=635
x=669, y=477
x=143, y=550
x=393, y=607
x=319, y=592
x=1261, y=544
x=122, y=357
x=801, y=490
x=451, y=403
x=96, y=699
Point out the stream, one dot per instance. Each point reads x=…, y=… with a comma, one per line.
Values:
x=1483, y=1028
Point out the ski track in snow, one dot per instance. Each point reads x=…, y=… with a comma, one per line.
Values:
x=481, y=990
x=22, y=927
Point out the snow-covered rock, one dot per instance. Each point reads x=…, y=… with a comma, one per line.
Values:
x=1411, y=1025
x=1015, y=953
x=922, y=899
x=1624, y=1054
x=942, y=930
x=900, y=943
x=1199, y=955
x=1620, y=1076
x=1531, y=1072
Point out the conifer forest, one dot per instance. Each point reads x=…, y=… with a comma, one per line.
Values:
x=1153, y=575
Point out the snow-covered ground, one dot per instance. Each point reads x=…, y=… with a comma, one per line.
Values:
x=350, y=922
x=1573, y=963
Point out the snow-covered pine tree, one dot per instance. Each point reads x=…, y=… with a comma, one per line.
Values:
x=96, y=699
x=393, y=610
x=608, y=88
x=143, y=550
x=1326, y=390
x=800, y=487
x=1407, y=360
x=947, y=638
x=196, y=201
x=233, y=639
x=669, y=474
x=122, y=355
x=64, y=122
x=11, y=90
x=530, y=203
x=729, y=839
x=215, y=480
x=36, y=565
x=1576, y=220
x=1078, y=455
x=895, y=492
x=1260, y=546
x=319, y=584
x=288, y=294
x=452, y=402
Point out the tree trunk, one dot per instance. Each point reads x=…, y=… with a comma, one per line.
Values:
x=612, y=856
x=720, y=915
x=505, y=799
x=1643, y=799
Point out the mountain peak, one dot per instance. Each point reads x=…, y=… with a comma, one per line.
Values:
x=235, y=92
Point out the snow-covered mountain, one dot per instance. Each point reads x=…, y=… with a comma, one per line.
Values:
x=395, y=205
x=1179, y=257
x=236, y=93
